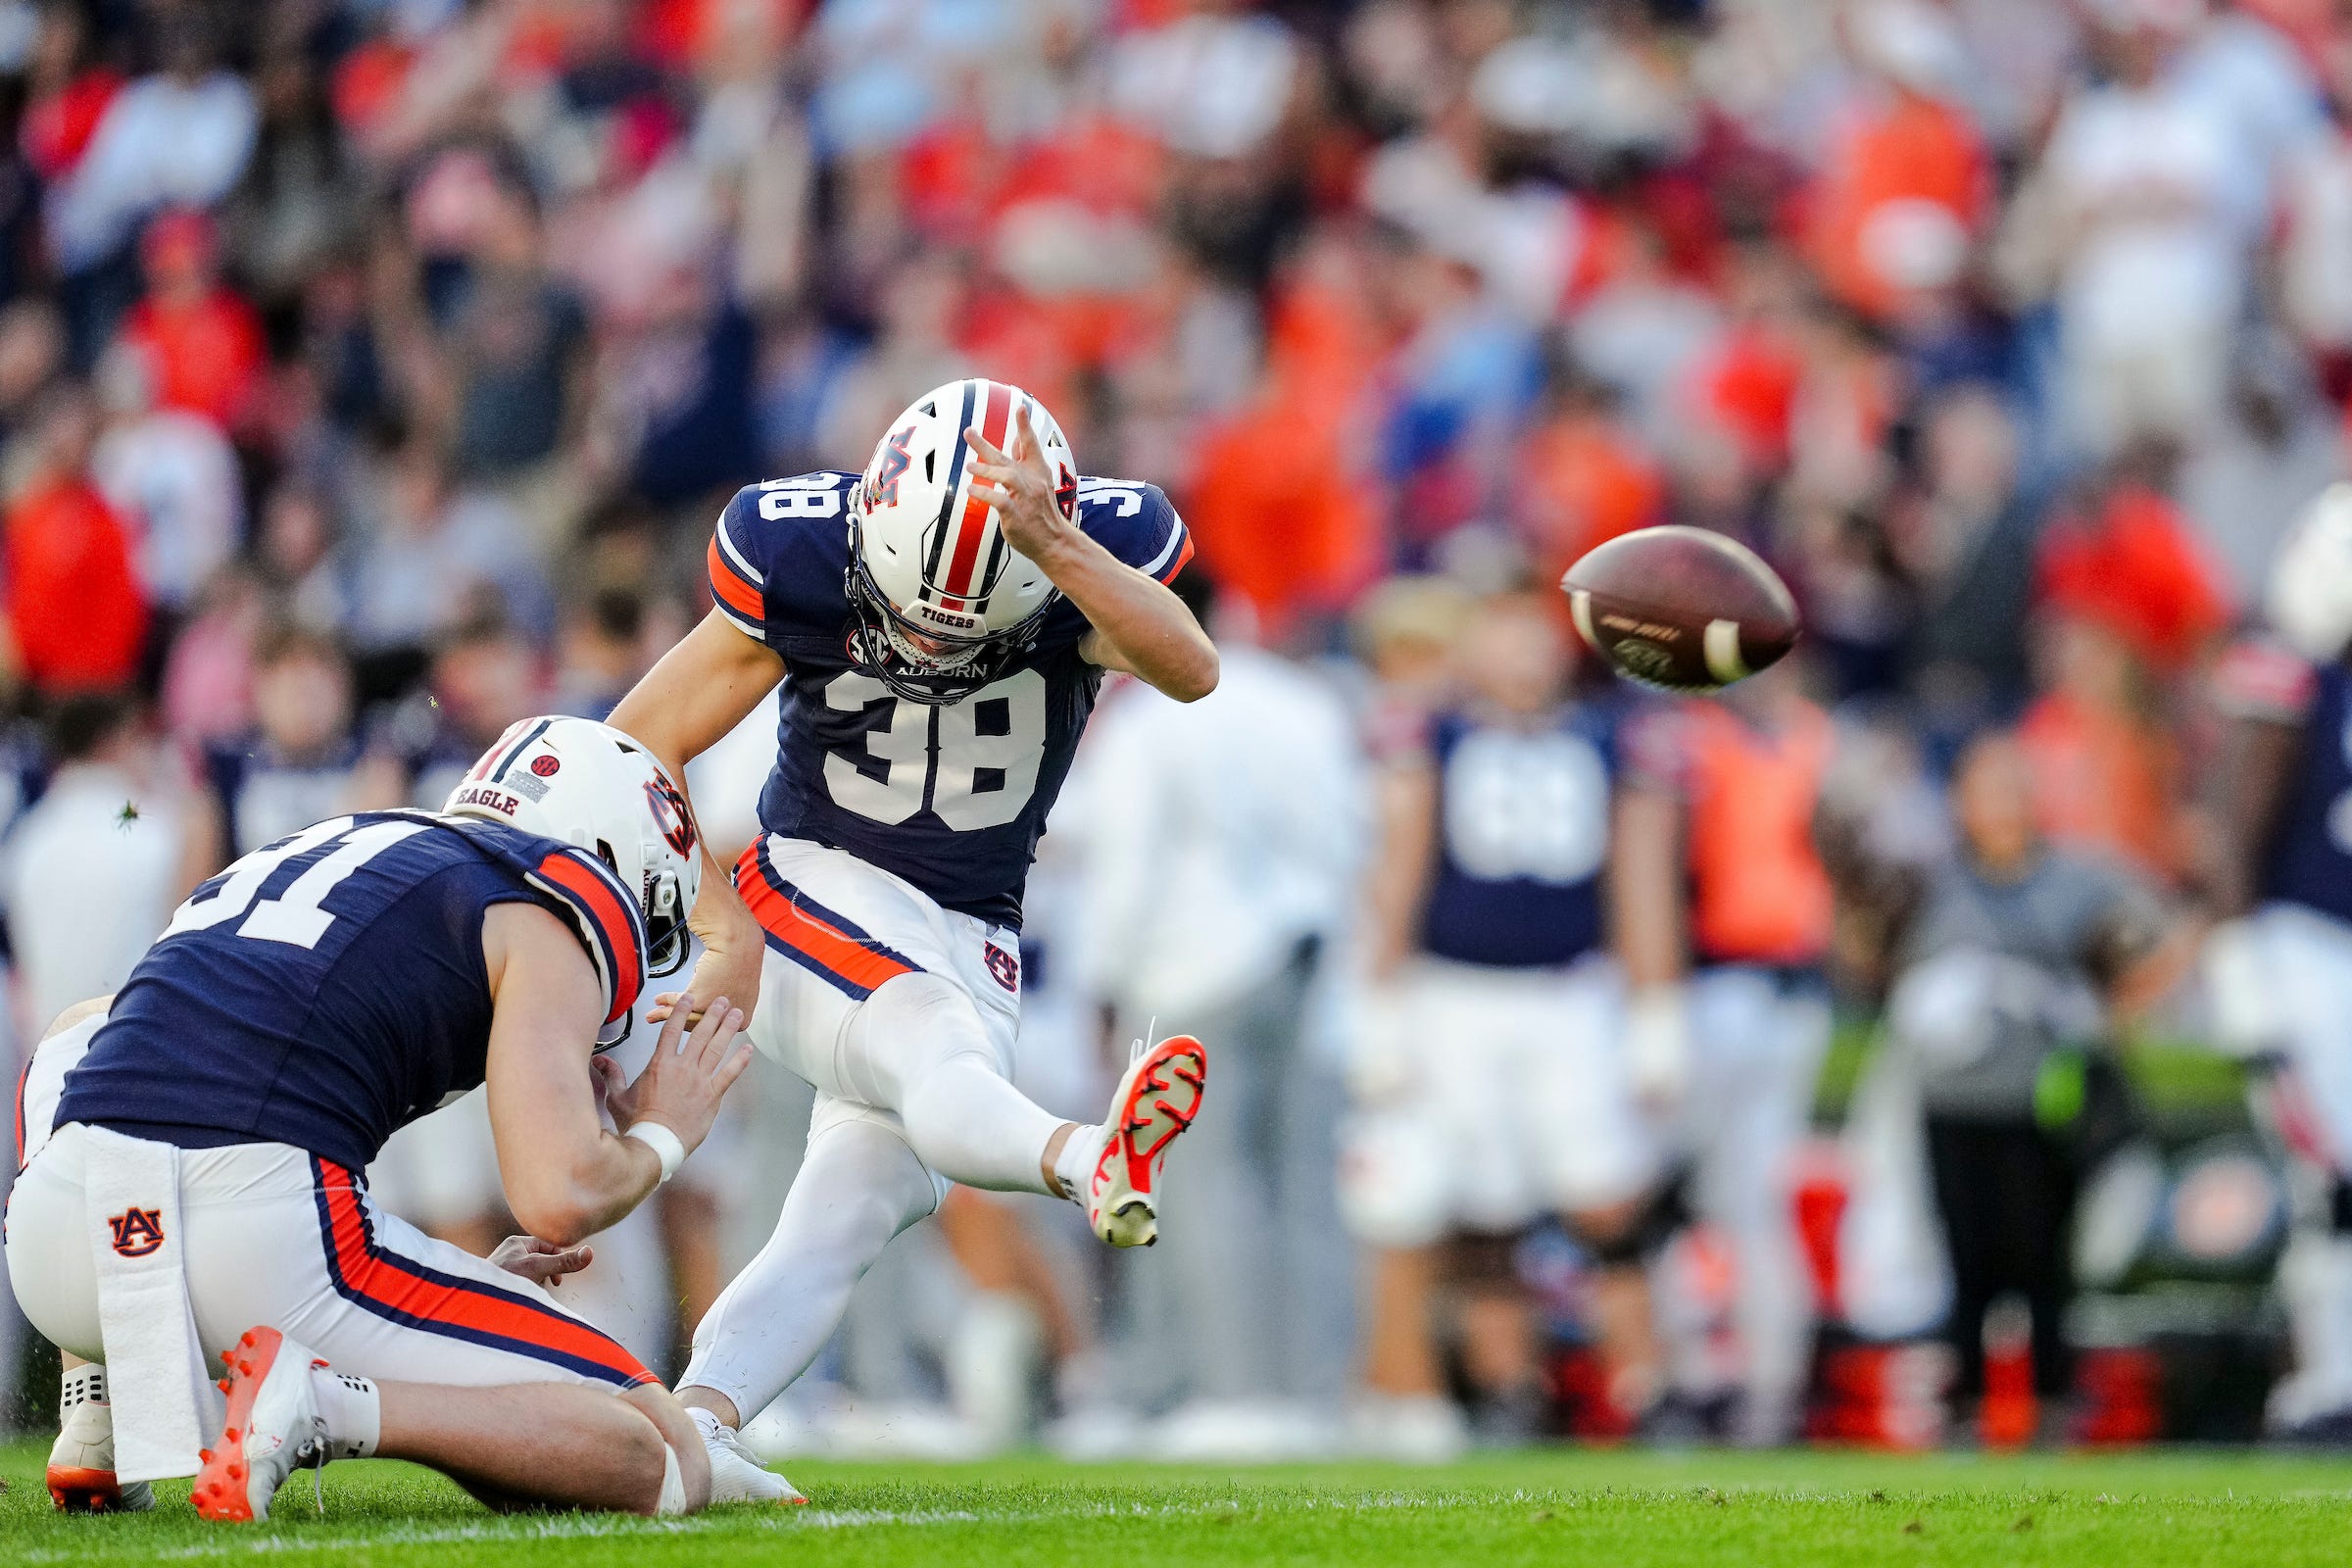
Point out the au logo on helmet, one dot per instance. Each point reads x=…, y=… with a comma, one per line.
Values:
x=670, y=815
x=889, y=463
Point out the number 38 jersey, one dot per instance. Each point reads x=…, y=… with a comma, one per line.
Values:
x=329, y=988
x=1522, y=837
x=953, y=799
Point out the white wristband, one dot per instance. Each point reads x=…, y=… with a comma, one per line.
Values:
x=665, y=1145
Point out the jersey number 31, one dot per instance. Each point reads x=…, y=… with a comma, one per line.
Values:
x=294, y=916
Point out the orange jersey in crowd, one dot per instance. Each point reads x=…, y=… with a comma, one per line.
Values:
x=1758, y=893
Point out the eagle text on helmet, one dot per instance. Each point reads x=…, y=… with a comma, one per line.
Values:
x=588, y=785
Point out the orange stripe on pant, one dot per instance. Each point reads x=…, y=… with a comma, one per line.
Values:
x=477, y=1308
x=811, y=941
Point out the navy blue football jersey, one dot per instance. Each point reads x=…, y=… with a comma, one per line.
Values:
x=331, y=989
x=2310, y=856
x=263, y=797
x=952, y=797
x=1522, y=837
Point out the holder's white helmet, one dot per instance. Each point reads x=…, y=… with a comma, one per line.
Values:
x=588, y=785
x=2308, y=601
x=943, y=603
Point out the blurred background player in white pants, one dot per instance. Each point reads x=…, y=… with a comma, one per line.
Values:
x=1727, y=924
x=1488, y=1078
x=1226, y=842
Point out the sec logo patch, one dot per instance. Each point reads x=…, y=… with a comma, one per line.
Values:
x=546, y=764
x=1003, y=965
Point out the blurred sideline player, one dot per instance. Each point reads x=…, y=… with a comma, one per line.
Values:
x=1226, y=854
x=1489, y=1082
x=193, y=1144
x=95, y=866
x=941, y=625
x=2278, y=966
x=1723, y=884
x=301, y=762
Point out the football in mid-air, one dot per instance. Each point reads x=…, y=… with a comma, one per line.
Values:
x=1681, y=608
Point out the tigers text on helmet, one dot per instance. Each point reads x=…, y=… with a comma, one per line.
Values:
x=590, y=786
x=2309, y=599
x=943, y=603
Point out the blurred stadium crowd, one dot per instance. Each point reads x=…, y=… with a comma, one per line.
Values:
x=372, y=373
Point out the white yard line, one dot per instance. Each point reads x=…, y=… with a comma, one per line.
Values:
x=236, y=1542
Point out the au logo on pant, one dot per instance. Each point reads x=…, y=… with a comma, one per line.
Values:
x=137, y=1230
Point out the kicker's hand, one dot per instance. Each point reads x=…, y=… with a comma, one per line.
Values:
x=687, y=1074
x=1022, y=489
x=734, y=951
x=541, y=1262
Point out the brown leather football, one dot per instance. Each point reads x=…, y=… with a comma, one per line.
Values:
x=1681, y=608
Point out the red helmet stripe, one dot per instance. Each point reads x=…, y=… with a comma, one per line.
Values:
x=996, y=419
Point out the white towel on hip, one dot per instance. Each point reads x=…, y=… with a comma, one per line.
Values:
x=165, y=1405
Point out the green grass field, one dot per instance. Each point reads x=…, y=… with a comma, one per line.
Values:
x=1615, y=1511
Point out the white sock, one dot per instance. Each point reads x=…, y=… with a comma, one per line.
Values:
x=708, y=1423
x=82, y=1385
x=1076, y=1166
x=353, y=1410
x=859, y=1186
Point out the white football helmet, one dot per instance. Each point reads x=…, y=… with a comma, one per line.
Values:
x=588, y=785
x=943, y=603
x=2309, y=601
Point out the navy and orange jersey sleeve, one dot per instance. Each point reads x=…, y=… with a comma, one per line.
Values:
x=738, y=584
x=1136, y=522
x=611, y=926
x=775, y=560
x=578, y=886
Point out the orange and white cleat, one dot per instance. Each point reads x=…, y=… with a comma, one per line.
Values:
x=81, y=1463
x=1157, y=1101
x=274, y=1428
